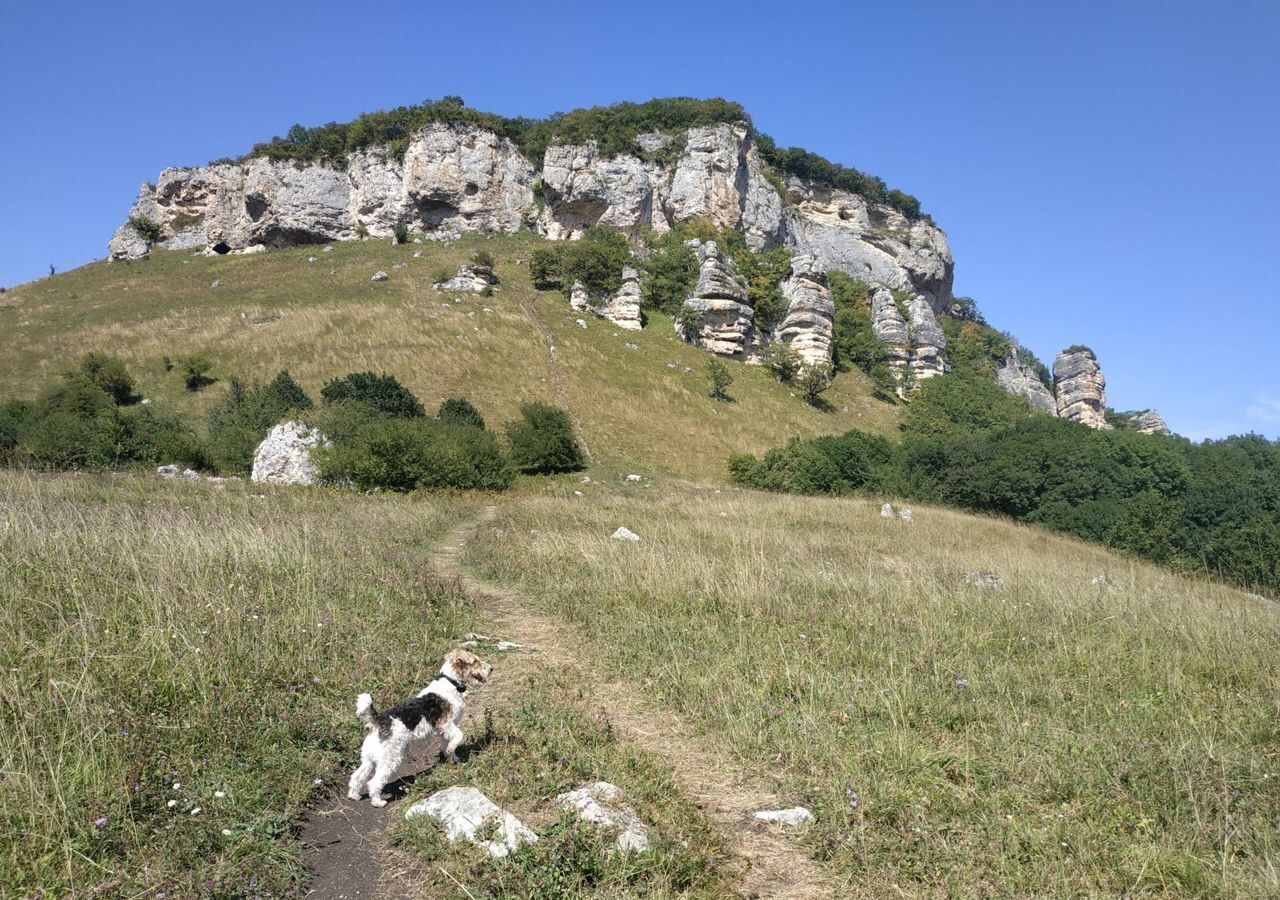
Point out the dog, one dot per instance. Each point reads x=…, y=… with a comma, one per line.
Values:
x=437, y=710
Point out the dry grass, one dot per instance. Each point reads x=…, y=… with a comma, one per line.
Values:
x=277, y=310
x=1055, y=738
x=162, y=642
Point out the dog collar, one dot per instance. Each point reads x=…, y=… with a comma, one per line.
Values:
x=462, y=688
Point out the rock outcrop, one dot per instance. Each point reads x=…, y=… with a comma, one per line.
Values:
x=598, y=805
x=717, y=317
x=807, y=328
x=456, y=178
x=928, y=343
x=890, y=329
x=623, y=308
x=1019, y=379
x=285, y=456
x=468, y=815
x=1081, y=389
x=1149, y=422
x=471, y=279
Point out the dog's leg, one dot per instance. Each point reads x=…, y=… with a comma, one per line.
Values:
x=381, y=775
x=452, y=738
x=359, y=777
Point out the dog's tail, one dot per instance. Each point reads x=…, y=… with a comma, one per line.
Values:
x=365, y=711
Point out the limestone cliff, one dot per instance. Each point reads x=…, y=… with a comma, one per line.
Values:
x=717, y=316
x=1149, y=422
x=1081, y=389
x=465, y=178
x=807, y=328
x=1019, y=379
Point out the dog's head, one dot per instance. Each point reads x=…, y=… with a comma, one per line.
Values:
x=466, y=664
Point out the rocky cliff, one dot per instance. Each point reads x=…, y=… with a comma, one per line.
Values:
x=1149, y=422
x=1017, y=378
x=807, y=328
x=465, y=178
x=1081, y=389
x=717, y=316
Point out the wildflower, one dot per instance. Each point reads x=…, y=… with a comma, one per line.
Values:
x=226, y=832
x=317, y=781
x=177, y=786
x=173, y=803
x=962, y=682
x=100, y=821
x=219, y=794
x=852, y=797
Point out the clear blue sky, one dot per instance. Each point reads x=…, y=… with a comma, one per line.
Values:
x=1106, y=171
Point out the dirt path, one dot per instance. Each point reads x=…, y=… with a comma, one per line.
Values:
x=771, y=866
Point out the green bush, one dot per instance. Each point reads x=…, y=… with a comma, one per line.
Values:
x=195, y=370
x=456, y=411
x=244, y=415
x=155, y=437
x=813, y=384
x=721, y=380
x=14, y=416
x=383, y=392
x=151, y=231
x=542, y=440
x=669, y=273
x=544, y=268
x=782, y=361
x=396, y=453
x=401, y=232
x=111, y=375
x=596, y=260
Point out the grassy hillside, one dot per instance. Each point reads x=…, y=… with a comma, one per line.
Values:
x=1058, y=737
x=323, y=319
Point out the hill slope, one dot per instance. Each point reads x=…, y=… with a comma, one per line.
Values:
x=325, y=318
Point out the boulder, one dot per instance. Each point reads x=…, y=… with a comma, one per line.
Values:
x=467, y=814
x=1019, y=379
x=886, y=511
x=1080, y=388
x=598, y=805
x=579, y=298
x=807, y=328
x=472, y=279
x=625, y=534
x=623, y=308
x=285, y=456
x=905, y=515
x=1149, y=422
x=379, y=276
x=717, y=317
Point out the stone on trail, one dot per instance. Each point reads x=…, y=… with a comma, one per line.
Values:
x=797, y=815
x=467, y=814
x=886, y=511
x=597, y=805
x=625, y=534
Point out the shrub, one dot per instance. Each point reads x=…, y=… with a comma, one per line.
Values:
x=782, y=361
x=542, y=440
x=670, y=272
x=156, y=437
x=482, y=257
x=813, y=383
x=195, y=371
x=544, y=268
x=402, y=233
x=110, y=374
x=397, y=453
x=151, y=231
x=14, y=415
x=383, y=392
x=720, y=378
x=596, y=259
x=239, y=422
x=455, y=411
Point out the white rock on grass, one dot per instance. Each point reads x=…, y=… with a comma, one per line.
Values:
x=597, y=805
x=905, y=515
x=886, y=511
x=380, y=276
x=984, y=581
x=797, y=815
x=285, y=456
x=634, y=478
x=625, y=534
x=1105, y=583
x=467, y=814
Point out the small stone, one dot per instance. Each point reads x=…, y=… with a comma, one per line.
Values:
x=380, y=276
x=312, y=259
x=581, y=323
x=625, y=534
x=905, y=515
x=328, y=250
x=417, y=254
x=597, y=805
x=146, y=401
x=169, y=471
x=886, y=511
x=467, y=814
x=635, y=478
x=577, y=493
x=797, y=815
x=216, y=282
x=985, y=581
x=631, y=346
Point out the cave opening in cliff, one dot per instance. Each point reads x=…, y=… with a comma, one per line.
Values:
x=222, y=247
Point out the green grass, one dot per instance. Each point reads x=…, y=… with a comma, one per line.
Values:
x=544, y=739
x=277, y=311
x=1054, y=738
x=162, y=642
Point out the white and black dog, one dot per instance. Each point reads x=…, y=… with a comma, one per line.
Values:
x=436, y=710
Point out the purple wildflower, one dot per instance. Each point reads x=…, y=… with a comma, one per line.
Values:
x=962, y=682
x=100, y=821
x=852, y=796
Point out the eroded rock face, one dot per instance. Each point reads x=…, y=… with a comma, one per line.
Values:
x=285, y=456
x=890, y=329
x=717, y=317
x=807, y=327
x=454, y=179
x=1150, y=422
x=928, y=343
x=1081, y=389
x=1017, y=378
x=623, y=308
